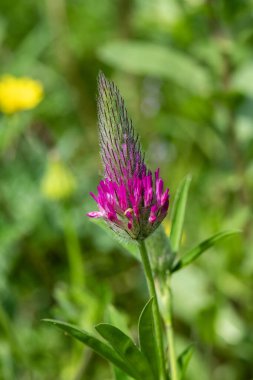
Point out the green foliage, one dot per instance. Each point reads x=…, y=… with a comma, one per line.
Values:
x=185, y=71
x=98, y=346
x=122, y=352
x=128, y=351
x=147, y=337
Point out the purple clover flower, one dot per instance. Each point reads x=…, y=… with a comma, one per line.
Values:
x=130, y=198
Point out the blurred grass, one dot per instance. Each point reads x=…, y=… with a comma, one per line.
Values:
x=185, y=69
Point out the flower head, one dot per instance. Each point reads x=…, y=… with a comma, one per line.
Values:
x=130, y=198
x=18, y=94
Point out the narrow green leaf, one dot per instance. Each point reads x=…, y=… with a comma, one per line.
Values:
x=126, y=348
x=178, y=213
x=194, y=253
x=147, y=337
x=184, y=360
x=97, y=345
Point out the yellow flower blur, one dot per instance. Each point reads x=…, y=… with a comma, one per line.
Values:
x=58, y=182
x=18, y=94
x=167, y=226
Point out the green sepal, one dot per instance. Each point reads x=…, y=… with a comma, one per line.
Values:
x=147, y=337
x=160, y=252
x=97, y=345
x=184, y=360
x=178, y=213
x=127, y=350
x=195, y=252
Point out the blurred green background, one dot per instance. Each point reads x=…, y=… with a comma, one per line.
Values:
x=185, y=69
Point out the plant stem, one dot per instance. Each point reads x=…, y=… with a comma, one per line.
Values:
x=156, y=313
x=170, y=333
x=76, y=263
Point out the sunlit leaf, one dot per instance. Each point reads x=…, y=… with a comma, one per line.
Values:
x=97, y=345
x=178, y=213
x=242, y=79
x=128, y=351
x=194, y=253
x=160, y=61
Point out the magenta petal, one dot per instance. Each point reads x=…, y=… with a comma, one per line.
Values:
x=165, y=197
x=159, y=189
x=136, y=211
x=152, y=219
x=95, y=214
x=157, y=173
x=130, y=224
x=112, y=216
x=94, y=196
x=154, y=209
x=128, y=214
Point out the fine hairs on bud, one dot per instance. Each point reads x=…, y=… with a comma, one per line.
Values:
x=119, y=144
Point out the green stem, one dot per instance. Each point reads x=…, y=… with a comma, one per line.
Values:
x=170, y=336
x=76, y=263
x=156, y=313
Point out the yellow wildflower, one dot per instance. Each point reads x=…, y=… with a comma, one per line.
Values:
x=58, y=182
x=18, y=94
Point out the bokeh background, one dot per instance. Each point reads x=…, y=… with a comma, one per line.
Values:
x=185, y=69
